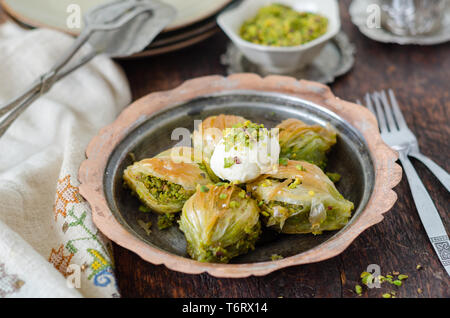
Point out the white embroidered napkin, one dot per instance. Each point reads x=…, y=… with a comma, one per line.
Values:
x=47, y=240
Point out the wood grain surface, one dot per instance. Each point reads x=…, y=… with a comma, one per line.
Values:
x=420, y=77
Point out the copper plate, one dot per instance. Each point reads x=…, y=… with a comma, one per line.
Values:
x=366, y=163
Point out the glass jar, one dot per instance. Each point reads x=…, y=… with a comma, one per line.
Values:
x=412, y=17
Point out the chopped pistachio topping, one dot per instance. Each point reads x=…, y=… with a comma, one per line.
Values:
x=358, y=289
x=300, y=168
x=397, y=282
x=204, y=188
x=242, y=135
x=242, y=194
x=402, y=277
x=386, y=295
x=228, y=162
x=222, y=196
x=234, y=204
x=294, y=184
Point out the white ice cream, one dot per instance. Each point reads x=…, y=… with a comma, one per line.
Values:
x=243, y=163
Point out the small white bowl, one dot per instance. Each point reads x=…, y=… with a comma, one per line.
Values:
x=280, y=59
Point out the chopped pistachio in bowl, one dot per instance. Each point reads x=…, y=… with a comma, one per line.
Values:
x=282, y=36
x=281, y=25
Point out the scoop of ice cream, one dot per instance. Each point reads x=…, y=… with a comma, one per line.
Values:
x=245, y=152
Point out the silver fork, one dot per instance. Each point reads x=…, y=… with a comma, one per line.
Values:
x=397, y=135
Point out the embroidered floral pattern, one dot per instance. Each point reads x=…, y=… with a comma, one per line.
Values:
x=60, y=261
x=83, y=238
x=9, y=284
x=65, y=194
x=101, y=268
x=87, y=234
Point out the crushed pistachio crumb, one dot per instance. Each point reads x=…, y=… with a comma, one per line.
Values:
x=367, y=278
x=144, y=209
x=283, y=161
x=300, y=168
x=228, y=162
x=294, y=184
x=234, y=204
x=358, y=290
x=276, y=257
x=222, y=196
x=419, y=267
x=204, y=188
x=165, y=221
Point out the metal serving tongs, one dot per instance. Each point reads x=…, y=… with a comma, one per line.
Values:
x=117, y=29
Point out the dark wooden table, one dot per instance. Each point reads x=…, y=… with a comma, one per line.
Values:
x=420, y=77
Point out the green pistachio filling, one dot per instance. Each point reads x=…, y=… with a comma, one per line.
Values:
x=165, y=191
x=165, y=221
x=280, y=25
x=219, y=254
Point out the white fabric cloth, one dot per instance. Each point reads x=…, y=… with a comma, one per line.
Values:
x=46, y=233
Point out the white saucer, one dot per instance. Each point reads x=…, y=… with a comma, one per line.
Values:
x=336, y=59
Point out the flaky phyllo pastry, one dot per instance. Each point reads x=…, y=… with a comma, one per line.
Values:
x=165, y=182
x=300, y=198
x=220, y=222
x=299, y=141
x=225, y=195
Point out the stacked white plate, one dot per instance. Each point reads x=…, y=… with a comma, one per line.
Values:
x=195, y=21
